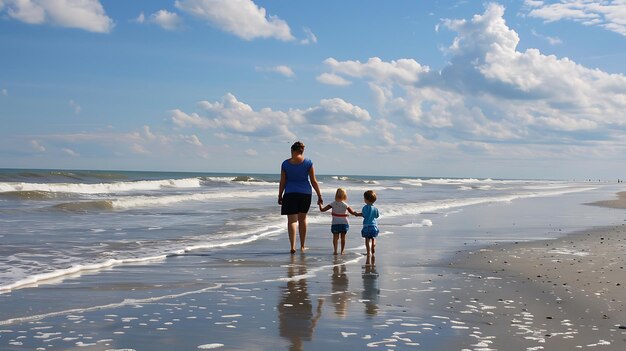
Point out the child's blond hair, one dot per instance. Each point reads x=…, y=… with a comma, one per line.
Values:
x=341, y=194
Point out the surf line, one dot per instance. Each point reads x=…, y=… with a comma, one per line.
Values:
x=125, y=302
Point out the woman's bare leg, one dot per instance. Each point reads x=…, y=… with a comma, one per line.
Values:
x=302, y=229
x=335, y=241
x=292, y=221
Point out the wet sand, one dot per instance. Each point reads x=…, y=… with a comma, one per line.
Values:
x=562, y=294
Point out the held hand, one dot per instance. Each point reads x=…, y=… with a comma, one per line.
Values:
x=320, y=202
x=280, y=200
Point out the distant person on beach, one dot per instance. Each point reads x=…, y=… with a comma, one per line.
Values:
x=370, y=226
x=339, y=225
x=294, y=193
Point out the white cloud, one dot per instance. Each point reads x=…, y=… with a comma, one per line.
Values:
x=490, y=93
x=311, y=38
x=281, y=69
x=82, y=14
x=233, y=117
x=251, y=152
x=549, y=39
x=74, y=106
x=5, y=92
x=242, y=18
x=141, y=19
x=37, y=146
x=609, y=14
x=403, y=71
x=70, y=152
x=332, y=79
x=165, y=19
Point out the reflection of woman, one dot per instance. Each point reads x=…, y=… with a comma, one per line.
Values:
x=295, y=310
x=295, y=174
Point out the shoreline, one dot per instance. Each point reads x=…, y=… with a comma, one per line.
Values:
x=561, y=294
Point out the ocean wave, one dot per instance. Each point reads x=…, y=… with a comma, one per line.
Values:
x=58, y=275
x=101, y=188
x=412, y=182
x=33, y=195
x=84, y=206
x=355, y=180
x=399, y=210
x=244, y=180
x=129, y=202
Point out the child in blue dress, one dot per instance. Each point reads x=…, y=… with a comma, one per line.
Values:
x=370, y=226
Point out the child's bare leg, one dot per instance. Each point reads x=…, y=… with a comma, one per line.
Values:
x=367, y=245
x=335, y=240
x=373, y=245
x=343, y=243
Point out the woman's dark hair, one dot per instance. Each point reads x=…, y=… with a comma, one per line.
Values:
x=298, y=146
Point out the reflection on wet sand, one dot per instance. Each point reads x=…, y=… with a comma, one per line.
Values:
x=340, y=294
x=295, y=309
x=371, y=291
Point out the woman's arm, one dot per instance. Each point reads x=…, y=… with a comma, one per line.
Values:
x=315, y=186
x=281, y=186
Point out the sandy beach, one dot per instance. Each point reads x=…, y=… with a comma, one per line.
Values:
x=561, y=294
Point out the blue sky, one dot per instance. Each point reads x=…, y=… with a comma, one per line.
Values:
x=508, y=89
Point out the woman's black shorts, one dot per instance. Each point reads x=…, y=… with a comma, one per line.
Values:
x=294, y=203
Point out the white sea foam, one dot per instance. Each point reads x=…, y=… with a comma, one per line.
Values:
x=75, y=270
x=149, y=201
x=404, y=209
x=423, y=223
x=101, y=188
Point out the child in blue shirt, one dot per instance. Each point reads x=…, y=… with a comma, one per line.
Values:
x=370, y=226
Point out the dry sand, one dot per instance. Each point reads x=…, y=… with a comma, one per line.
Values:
x=562, y=294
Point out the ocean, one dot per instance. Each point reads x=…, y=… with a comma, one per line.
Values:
x=98, y=229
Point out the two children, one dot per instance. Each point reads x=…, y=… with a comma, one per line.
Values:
x=340, y=225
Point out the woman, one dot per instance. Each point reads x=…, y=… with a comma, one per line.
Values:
x=294, y=182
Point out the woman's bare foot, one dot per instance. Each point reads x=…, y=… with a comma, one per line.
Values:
x=293, y=251
x=335, y=253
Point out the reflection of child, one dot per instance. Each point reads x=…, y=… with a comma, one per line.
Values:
x=339, y=224
x=370, y=226
x=371, y=291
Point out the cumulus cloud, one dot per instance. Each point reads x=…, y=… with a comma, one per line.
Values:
x=490, y=92
x=165, y=19
x=609, y=14
x=403, y=71
x=332, y=79
x=235, y=118
x=281, y=69
x=242, y=18
x=5, y=92
x=82, y=14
